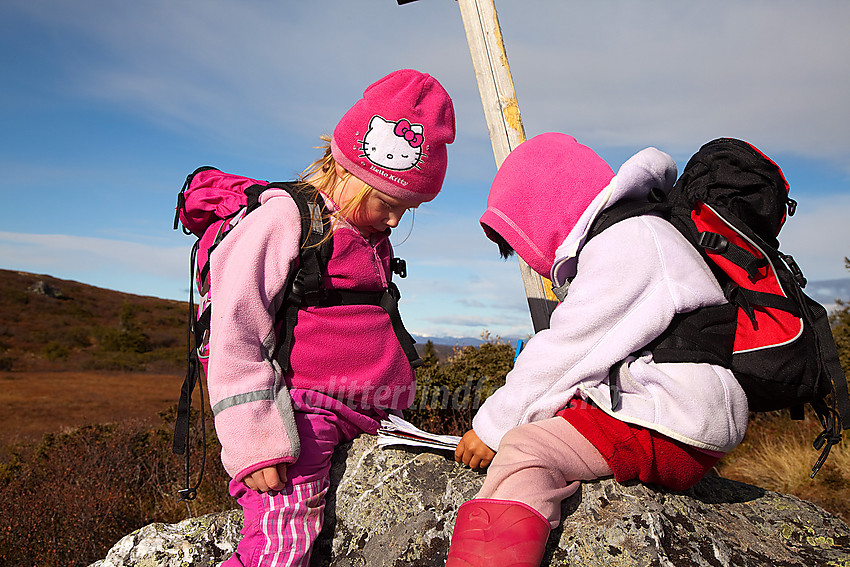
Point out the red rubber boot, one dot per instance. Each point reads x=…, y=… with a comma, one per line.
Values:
x=497, y=533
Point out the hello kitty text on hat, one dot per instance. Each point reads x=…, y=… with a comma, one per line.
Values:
x=395, y=137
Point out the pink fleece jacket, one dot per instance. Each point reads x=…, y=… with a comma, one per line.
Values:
x=348, y=353
x=630, y=281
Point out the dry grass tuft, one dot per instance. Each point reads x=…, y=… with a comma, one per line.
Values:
x=777, y=454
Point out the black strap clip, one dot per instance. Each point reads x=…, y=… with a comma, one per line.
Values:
x=792, y=206
x=824, y=441
x=399, y=267
x=795, y=269
x=714, y=242
x=305, y=287
x=188, y=493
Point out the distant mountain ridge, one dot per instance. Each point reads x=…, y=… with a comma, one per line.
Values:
x=461, y=341
x=826, y=292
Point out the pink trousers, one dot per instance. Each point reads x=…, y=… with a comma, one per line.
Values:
x=281, y=527
x=540, y=464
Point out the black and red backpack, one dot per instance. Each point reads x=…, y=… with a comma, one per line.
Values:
x=730, y=203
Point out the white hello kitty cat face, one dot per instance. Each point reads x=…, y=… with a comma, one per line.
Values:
x=396, y=146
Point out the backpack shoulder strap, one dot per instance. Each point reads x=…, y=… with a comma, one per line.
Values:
x=305, y=283
x=656, y=203
x=316, y=245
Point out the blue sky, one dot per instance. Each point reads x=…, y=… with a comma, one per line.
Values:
x=106, y=106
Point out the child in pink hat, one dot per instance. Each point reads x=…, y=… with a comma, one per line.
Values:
x=556, y=421
x=347, y=367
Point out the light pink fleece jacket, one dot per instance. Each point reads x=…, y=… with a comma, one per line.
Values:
x=349, y=353
x=630, y=281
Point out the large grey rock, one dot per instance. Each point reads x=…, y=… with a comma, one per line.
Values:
x=396, y=508
x=201, y=541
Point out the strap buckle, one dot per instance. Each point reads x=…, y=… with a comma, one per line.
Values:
x=714, y=242
x=187, y=494
x=795, y=269
x=305, y=286
x=399, y=267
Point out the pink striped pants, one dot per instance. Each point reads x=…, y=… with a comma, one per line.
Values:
x=280, y=528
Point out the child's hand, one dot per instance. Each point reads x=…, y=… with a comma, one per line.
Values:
x=267, y=479
x=473, y=451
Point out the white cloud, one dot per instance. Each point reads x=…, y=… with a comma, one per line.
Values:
x=678, y=74
x=120, y=265
x=818, y=236
x=621, y=74
x=247, y=73
x=458, y=285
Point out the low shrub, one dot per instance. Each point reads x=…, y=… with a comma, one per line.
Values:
x=125, y=341
x=449, y=394
x=55, y=351
x=67, y=500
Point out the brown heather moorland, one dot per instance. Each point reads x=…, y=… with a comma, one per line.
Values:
x=73, y=355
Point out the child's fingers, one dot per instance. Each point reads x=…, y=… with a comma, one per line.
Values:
x=255, y=481
x=482, y=458
x=271, y=479
x=461, y=452
x=267, y=479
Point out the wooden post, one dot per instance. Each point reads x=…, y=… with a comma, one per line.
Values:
x=503, y=122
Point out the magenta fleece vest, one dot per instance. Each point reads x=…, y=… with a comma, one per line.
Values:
x=350, y=352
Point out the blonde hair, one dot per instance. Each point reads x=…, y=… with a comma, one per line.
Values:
x=322, y=175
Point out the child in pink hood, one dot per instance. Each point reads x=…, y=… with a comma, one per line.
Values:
x=555, y=422
x=347, y=369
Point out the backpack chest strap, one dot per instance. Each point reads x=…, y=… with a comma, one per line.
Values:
x=386, y=299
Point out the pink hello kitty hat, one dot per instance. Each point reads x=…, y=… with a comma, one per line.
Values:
x=395, y=137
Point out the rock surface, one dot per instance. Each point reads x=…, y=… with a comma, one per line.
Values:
x=43, y=288
x=396, y=508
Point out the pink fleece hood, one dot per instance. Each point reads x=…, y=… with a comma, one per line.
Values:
x=539, y=193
